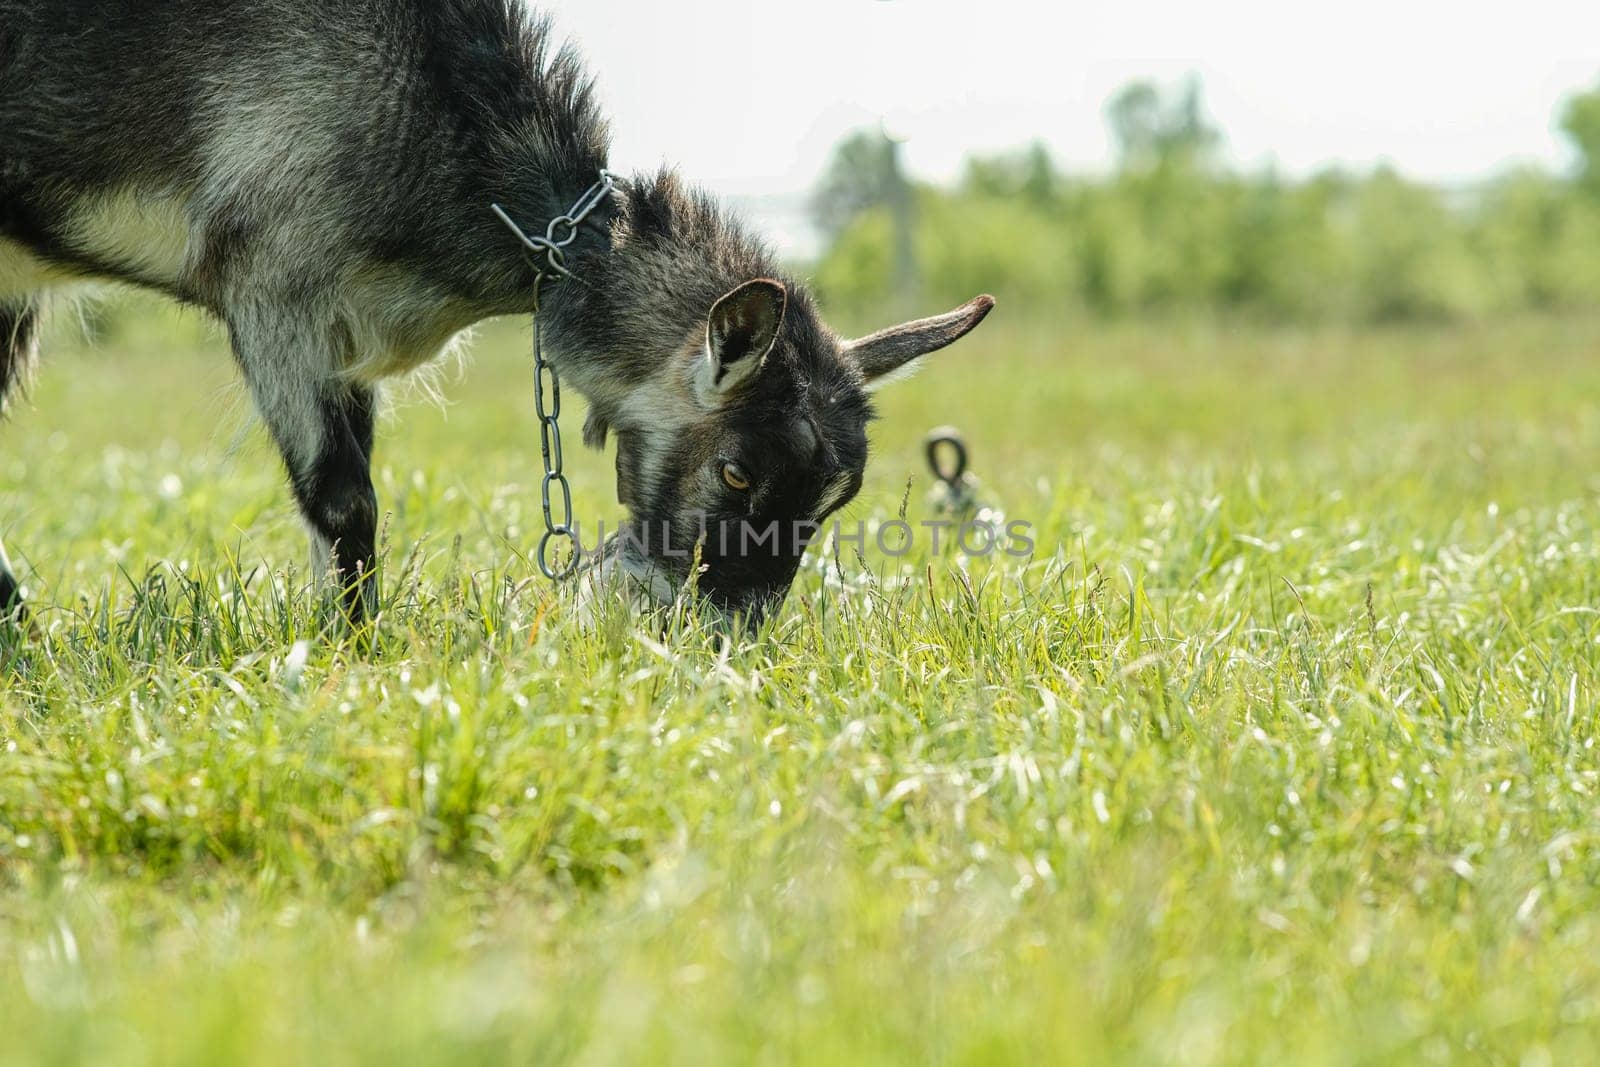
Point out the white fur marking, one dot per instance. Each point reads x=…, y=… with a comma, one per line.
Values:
x=907, y=370
x=144, y=234
x=708, y=389
x=659, y=411
x=834, y=493
x=21, y=275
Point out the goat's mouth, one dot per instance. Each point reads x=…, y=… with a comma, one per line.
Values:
x=623, y=571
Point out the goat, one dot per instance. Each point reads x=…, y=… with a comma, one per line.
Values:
x=318, y=174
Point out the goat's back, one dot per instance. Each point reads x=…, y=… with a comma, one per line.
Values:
x=187, y=144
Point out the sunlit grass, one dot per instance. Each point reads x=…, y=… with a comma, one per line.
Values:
x=1282, y=747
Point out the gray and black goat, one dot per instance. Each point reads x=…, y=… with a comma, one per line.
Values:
x=319, y=174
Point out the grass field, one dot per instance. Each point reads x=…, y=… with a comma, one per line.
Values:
x=1282, y=748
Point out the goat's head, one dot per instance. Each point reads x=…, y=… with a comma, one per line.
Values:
x=753, y=434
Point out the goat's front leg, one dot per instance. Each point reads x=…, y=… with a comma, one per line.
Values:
x=323, y=426
x=337, y=499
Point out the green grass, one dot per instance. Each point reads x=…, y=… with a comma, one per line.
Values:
x=1283, y=747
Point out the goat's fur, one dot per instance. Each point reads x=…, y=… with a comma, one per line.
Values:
x=318, y=174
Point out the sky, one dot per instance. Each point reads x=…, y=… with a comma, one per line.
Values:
x=748, y=96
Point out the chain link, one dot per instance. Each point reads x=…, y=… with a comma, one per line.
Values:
x=547, y=383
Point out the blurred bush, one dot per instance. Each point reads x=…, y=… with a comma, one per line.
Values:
x=1173, y=230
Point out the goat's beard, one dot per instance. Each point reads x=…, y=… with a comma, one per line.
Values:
x=621, y=574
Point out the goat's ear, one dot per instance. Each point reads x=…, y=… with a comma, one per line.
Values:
x=740, y=335
x=884, y=353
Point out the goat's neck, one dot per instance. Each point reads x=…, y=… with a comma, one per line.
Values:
x=643, y=284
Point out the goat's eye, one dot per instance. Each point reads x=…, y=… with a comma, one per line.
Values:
x=735, y=477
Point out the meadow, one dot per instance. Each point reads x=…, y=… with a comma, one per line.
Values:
x=1281, y=748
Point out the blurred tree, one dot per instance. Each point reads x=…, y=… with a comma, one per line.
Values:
x=859, y=178
x=1581, y=122
x=1174, y=232
x=1152, y=129
x=1410, y=259
x=864, y=175
x=1030, y=175
x=1538, y=241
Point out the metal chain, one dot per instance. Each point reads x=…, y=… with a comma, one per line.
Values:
x=553, y=249
x=548, y=400
x=554, y=476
